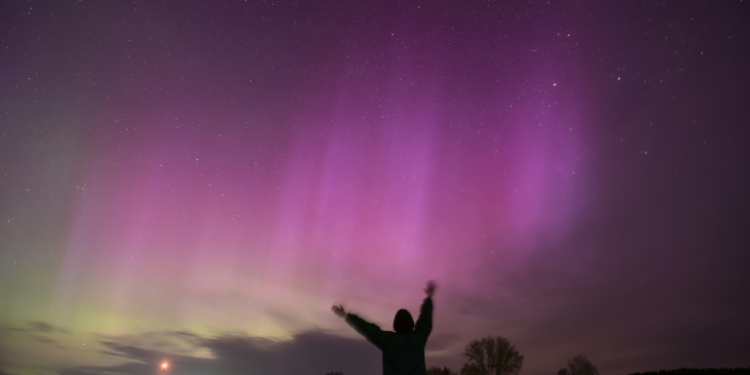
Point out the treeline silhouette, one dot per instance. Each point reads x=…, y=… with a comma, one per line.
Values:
x=699, y=371
x=498, y=356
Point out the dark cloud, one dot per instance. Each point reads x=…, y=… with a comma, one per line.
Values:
x=439, y=341
x=308, y=352
x=35, y=327
x=125, y=368
x=46, y=328
x=312, y=352
x=47, y=340
x=131, y=352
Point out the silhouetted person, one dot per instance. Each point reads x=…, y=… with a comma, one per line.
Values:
x=403, y=350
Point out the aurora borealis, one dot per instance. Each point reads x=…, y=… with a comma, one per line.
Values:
x=199, y=181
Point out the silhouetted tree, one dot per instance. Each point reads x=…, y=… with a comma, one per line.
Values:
x=492, y=356
x=579, y=365
x=439, y=371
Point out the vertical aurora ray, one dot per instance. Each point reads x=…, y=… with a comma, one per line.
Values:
x=174, y=175
x=369, y=189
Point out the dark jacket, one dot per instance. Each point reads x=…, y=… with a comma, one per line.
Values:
x=403, y=353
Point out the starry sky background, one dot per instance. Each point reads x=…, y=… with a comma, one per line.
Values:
x=199, y=181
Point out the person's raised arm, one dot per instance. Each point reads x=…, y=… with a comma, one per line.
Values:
x=369, y=330
x=424, y=322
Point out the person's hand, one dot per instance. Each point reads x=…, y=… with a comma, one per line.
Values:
x=339, y=311
x=430, y=290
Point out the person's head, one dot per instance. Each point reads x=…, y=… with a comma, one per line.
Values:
x=403, y=322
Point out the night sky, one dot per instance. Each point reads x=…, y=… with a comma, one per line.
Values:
x=199, y=181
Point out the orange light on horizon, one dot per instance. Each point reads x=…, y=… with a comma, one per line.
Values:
x=164, y=365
